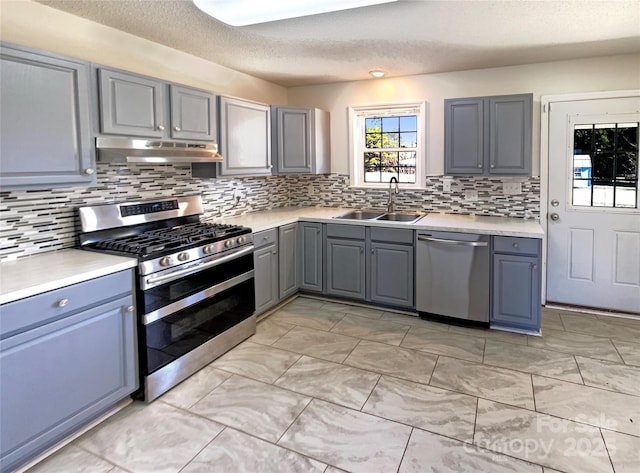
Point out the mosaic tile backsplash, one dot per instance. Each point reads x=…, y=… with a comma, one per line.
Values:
x=40, y=221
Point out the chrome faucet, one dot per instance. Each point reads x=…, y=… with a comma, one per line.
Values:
x=391, y=203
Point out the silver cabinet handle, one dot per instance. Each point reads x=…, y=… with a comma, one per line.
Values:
x=554, y=216
x=89, y=171
x=130, y=308
x=270, y=166
x=373, y=252
x=62, y=302
x=479, y=166
x=492, y=165
x=516, y=246
x=534, y=267
x=160, y=128
x=453, y=242
x=176, y=128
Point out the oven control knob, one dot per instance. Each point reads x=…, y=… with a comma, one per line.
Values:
x=166, y=261
x=208, y=249
x=228, y=243
x=183, y=256
x=240, y=240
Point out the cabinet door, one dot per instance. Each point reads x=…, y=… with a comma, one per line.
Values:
x=311, y=256
x=392, y=274
x=131, y=104
x=193, y=114
x=516, y=292
x=464, y=136
x=288, y=260
x=346, y=268
x=292, y=140
x=245, y=137
x=59, y=376
x=510, y=135
x=45, y=128
x=266, y=277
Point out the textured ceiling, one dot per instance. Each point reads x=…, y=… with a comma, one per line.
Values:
x=403, y=38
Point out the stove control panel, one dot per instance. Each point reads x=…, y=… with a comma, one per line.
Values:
x=148, y=207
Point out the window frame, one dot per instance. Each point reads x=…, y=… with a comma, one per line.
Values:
x=357, y=115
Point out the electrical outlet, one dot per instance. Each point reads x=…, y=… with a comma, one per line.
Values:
x=471, y=194
x=512, y=188
x=446, y=184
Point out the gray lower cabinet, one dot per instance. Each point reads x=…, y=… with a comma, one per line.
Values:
x=245, y=137
x=346, y=261
x=300, y=140
x=67, y=356
x=288, y=260
x=311, y=256
x=392, y=267
x=265, y=258
x=488, y=135
x=516, y=281
x=135, y=105
x=45, y=120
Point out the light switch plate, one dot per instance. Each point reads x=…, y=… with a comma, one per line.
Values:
x=446, y=184
x=512, y=188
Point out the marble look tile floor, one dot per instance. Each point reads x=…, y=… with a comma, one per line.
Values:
x=331, y=388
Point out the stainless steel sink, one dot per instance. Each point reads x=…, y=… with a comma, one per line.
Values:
x=400, y=217
x=360, y=215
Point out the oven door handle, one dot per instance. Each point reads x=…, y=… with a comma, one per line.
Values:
x=156, y=280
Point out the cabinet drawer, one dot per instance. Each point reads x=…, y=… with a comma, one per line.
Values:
x=516, y=245
x=345, y=231
x=392, y=235
x=34, y=311
x=265, y=238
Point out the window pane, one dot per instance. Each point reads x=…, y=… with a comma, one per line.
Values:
x=408, y=139
x=409, y=123
x=390, y=124
x=627, y=152
x=390, y=158
x=371, y=159
x=407, y=158
x=389, y=172
x=407, y=174
x=390, y=140
x=603, y=167
x=582, y=192
x=582, y=139
x=602, y=196
x=626, y=196
x=373, y=124
x=373, y=140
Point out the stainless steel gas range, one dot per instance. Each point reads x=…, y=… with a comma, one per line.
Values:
x=195, y=283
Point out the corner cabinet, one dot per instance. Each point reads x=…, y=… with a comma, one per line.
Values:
x=45, y=120
x=288, y=259
x=265, y=259
x=488, y=135
x=245, y=137
x=300, y=140
x=135, y=105
x=311, y=256
x=67, y=356
x=516, y=281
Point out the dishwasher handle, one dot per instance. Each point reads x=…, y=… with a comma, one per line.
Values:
x=453, y=242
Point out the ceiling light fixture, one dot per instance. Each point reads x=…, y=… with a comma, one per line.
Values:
x=249, y=12
x=377, y=74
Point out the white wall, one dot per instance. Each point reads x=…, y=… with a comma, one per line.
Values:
x=563, y=77
x=36, y=25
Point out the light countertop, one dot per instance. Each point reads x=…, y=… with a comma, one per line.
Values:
x=48, y=271
x=502, y=226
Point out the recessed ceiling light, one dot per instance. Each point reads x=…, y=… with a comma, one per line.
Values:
x=377, y=74
x=249, y=12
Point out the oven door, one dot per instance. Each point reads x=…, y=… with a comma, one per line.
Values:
x=181, y=315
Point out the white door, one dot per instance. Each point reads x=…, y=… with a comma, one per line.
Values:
x=593, y=252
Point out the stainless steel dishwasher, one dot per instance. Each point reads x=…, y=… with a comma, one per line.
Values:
x=452, y=275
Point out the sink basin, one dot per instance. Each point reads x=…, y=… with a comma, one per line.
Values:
x=400, y=217
x=360, y=215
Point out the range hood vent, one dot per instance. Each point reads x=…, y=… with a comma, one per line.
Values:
x=155, y=151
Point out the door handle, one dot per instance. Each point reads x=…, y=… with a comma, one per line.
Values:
x=554, y=216
x=555, y=203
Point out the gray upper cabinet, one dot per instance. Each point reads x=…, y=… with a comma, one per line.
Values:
x=288, y=259
x=516, y=298
x=488, y=135
x=193, y=114
x=135, y=105
x=311, y=256
x=245, y=137
x=131, y=104
x=45, y=120
x=300, y=140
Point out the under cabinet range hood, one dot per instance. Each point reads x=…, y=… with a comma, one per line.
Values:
x=132, y=150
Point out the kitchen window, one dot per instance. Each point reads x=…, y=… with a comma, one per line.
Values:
x=388, y=141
